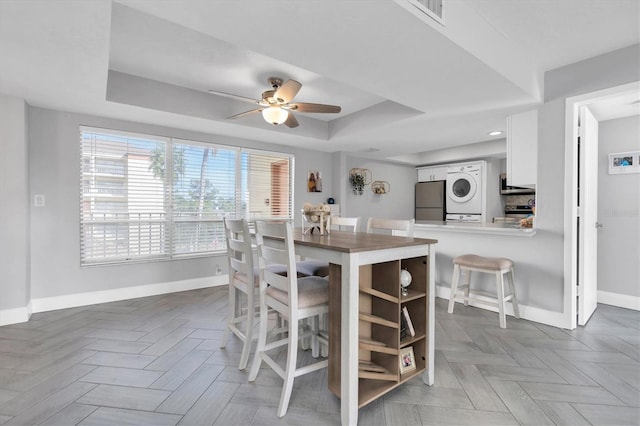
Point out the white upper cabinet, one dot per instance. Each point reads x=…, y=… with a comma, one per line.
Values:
x=522, y=149
x=428, y=174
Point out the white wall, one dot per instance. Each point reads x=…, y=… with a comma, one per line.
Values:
x=14, y=210
x=618, y=211
x=54, y=172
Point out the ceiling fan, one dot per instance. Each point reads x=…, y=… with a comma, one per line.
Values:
x=276, y=104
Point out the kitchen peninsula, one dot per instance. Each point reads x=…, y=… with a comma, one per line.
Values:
x=512, y=229
x=534, y=272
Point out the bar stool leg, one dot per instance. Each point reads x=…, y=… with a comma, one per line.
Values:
x=467, y=282
x=303, y=342
x=454, y=287
x=231, y=315
x=248, y=334
x=289, y=371
x=500, y=292
x=514, y=302
x=315, y=344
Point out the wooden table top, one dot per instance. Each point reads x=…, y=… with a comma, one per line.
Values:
x=349, y=242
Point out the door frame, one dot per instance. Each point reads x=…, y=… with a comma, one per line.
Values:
x=572, y=106
x=587, y=299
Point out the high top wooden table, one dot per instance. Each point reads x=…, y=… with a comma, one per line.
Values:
x=350, y=251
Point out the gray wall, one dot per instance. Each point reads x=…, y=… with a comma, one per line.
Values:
x=614, y=68
x=399, y=203
x=54, y=172
x=14, y=204
x=618, y=210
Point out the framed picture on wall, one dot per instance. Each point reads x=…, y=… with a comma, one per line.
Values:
x=624, y=162
x=314, y=181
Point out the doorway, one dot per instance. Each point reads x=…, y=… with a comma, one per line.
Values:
x=581, y=223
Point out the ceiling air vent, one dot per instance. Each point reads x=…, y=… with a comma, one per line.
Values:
x=432, y=8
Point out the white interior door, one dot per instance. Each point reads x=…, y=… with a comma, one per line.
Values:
x=588, y=218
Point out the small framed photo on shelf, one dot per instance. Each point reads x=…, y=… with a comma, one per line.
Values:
x=407, y=360
x=624, y=162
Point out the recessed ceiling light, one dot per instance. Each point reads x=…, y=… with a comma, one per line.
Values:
x=495, y=133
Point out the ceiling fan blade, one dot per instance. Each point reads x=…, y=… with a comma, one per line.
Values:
x=291, y=121
x=232, y=96
x=287, y=91
x=307, y=107
x=242, y=114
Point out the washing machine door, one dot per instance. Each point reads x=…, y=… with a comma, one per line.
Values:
x=461, y=187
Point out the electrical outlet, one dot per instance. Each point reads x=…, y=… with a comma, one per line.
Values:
x=38, y=200
x=218, y=269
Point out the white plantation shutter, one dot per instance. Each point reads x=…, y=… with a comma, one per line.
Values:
x=146, y=197
x=122, y=209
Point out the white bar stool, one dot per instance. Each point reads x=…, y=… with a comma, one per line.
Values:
x=490, y=265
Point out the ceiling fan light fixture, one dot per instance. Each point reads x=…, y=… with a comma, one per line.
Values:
x=275, y=115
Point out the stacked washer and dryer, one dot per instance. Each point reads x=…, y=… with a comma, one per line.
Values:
x=465, y=188
x=469, y=193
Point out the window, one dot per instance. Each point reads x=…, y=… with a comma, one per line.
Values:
x=147, y=197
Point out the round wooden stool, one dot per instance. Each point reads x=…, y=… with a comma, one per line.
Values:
x=490, y=265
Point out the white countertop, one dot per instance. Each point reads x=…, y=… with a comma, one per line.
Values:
x=507, y=229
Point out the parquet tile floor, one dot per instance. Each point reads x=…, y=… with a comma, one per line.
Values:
x=156, y=361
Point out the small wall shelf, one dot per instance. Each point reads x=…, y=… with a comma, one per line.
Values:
x=380, y=187
x=358, y=179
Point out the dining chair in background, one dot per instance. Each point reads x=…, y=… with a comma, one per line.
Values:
x=351, y=222
x=294, y=299
x=375, y=225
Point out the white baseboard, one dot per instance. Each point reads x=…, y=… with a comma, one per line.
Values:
x=91, y=298
x=15, y=315
x=543, y=316
x=44, y=304
x=620, y=300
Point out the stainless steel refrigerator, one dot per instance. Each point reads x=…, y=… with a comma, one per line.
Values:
x=430, y=201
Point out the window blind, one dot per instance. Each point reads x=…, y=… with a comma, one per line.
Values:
x=123, y=202
x=147, y=197
x=203, y=193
